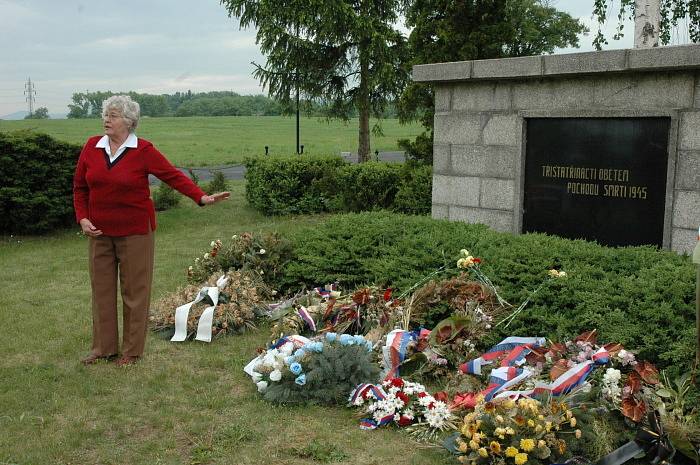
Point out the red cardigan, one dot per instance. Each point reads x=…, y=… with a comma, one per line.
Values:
x=115, y=197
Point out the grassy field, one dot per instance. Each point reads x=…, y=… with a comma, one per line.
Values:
x=185, y=403
x=213, y=141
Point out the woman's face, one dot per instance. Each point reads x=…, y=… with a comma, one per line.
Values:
x=115, y=125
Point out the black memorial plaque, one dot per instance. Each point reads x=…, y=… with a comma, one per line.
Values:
x=601, y=179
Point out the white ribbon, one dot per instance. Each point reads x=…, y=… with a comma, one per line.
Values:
x=206, y=319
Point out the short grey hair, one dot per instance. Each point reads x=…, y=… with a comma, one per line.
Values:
x=129, y=109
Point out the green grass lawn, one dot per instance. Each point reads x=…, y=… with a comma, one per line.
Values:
x=224, y=140
x=185, y=403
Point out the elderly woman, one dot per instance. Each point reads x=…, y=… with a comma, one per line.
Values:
x=112, y=204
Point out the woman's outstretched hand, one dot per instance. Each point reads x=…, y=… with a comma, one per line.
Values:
x=211, y=199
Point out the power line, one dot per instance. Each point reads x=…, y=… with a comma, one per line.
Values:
x=30, y=93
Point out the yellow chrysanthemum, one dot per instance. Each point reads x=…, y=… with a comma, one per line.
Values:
x=476, y=438
x=463, y=446
x=499, y=419
x=511, y=451
x=500, y=431
x=568, y=414
x=538, y=428
x=541, y=444
x=572, y=422
x=473, y=445
x=483, y=452
x=509, y=404
x=520, y=459
x=548, y=426
x=495, y=447
x=510, y=431
x=531, y=423
x=562, y=447
x=527, y=444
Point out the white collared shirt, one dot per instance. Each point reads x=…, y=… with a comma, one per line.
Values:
x=131, y=142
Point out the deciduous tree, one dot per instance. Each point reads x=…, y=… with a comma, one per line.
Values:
x=458, y=30
x=671, y=13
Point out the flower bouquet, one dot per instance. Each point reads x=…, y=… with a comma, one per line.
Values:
x=504, y=432
x=320, y=371
x=240, y=300
x=403, y=403
x=366, y=310
x=264, y=254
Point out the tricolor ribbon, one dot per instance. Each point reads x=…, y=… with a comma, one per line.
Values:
x=206, y=319
x=326, y=291
x=514, y=348
x=395, y=348
x=378, y=393
x=573, y=377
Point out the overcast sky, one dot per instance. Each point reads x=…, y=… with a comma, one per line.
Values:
x=152, y=46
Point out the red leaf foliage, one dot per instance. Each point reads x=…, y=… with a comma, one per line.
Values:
x=633, y=409
x=634, y=381
x=648, y=372
x=361, y=297
x=589, y=336
x=558, y=369
x=613, y=348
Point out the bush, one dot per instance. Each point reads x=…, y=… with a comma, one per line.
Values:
x=165, y=197
x=415, y=190
x=280, y=186
x=36, y=195
x=217, y=184
x=367, y=186
x=314, y=184
x=638, y=296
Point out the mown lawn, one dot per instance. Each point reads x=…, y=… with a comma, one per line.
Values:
x=186, y=403
x=224, y=140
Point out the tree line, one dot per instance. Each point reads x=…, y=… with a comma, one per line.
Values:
x=221, y=103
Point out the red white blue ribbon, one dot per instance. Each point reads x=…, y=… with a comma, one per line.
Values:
x=326, y=291
x=378, y=393
x=395, y=348
x=514, y=348
x=573, y=377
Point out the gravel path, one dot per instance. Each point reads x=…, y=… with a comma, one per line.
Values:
x=238, y=171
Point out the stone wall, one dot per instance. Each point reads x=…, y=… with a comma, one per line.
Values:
x=481, y=109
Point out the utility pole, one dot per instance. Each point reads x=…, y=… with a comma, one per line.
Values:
x=30, y=93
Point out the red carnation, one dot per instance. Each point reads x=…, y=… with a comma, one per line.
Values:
x=477, y=260
x=431, y=405
x=387, y=295
x=404, y=398
x=422, y=394
x=397, y=382
x=405, y=421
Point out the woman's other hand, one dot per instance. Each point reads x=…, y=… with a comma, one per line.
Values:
x=89, y=229
x=210, y=199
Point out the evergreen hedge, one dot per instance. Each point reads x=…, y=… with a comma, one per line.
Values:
x=36, y=194
x=638, y=296
x=315, y=184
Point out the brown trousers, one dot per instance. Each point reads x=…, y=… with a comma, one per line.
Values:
x=129, y=258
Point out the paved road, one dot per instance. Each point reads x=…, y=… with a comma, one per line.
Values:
x=238, y=171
